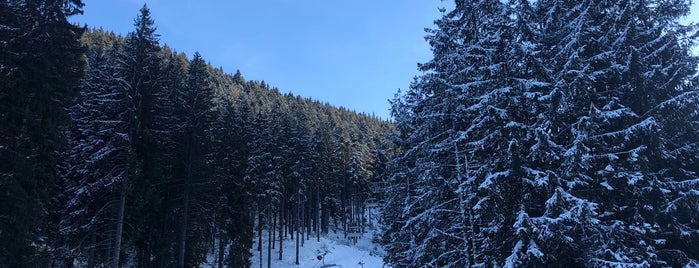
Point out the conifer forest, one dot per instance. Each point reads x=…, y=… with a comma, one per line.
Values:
x=541, y=133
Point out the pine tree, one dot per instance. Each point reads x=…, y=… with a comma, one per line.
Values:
x=474, y=102
x=611, y=89
x=40, y=65
x=141, y=71
x=235, y=227
x=98, y=160
x=165, y=200
x=538, y=137
x=195, y=110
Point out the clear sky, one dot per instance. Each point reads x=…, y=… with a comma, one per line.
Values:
x=351, y=53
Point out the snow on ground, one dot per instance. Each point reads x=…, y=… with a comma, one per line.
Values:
x=341, y=252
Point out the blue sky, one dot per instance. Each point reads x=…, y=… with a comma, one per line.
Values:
x=351, y=53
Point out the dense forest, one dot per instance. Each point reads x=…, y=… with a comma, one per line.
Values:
x=117, y=150
x=549, y=134
x=543, y=133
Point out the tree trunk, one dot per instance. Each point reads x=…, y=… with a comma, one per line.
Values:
x=185, y=215
x=281, y=233
x=270, y=237
x=302, y=221
x=282, y=217
x=307, y=217
x=120, y=223
x=361, y=215
x=344, y=220
x=290, y=225
x=297, y=234
x=259, y=234
x=183, y=228
x=325, y=219
x=274, y=228
x=221, y=250
x=368, y=216
x=318, y=212
x=462, y=204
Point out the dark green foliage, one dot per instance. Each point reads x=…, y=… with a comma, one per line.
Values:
x=193, y=179
x=148, y=204
x=40, y=65
x=233, y=222
x=538, y=136
x=98, y=160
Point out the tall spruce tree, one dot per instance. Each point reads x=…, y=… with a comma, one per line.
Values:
x=233, y=218
x=98, y=160
x=620, y=68
x=538, y=136
x=40, y=65
x=166, y=193
x=475, y=102
x=141, y=72
x=196, y=111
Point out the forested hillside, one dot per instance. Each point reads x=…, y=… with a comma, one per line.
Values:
x=144, y=156
x=543, y=133
x=550, y=134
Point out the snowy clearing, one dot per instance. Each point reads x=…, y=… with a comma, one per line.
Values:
x=341, y=252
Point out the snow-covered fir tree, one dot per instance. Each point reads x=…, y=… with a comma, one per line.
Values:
x=233, y=221
x=41, y=62
x=548, y=133
x=192, y=135
x=622, y=68
x=98, y=160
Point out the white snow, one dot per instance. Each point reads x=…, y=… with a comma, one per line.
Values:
x=341, y=252
x=606, y=185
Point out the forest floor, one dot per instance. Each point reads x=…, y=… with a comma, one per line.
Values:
x=340, y=252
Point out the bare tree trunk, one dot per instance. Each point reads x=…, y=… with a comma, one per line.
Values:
x=302, y=221
x=325, y=219
x=270, y=237
x=462, y=203
x=283, y=220
x=221, y=251
x=297, y=233
x=318, y=212
x=308, y=219
x=183, y=228
x=281, y=232
x=259, y=234
x=368, y=216
x=274, y=228
x=361, y=215
x=343, y=211
x=120, y=223
x=290, y=225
